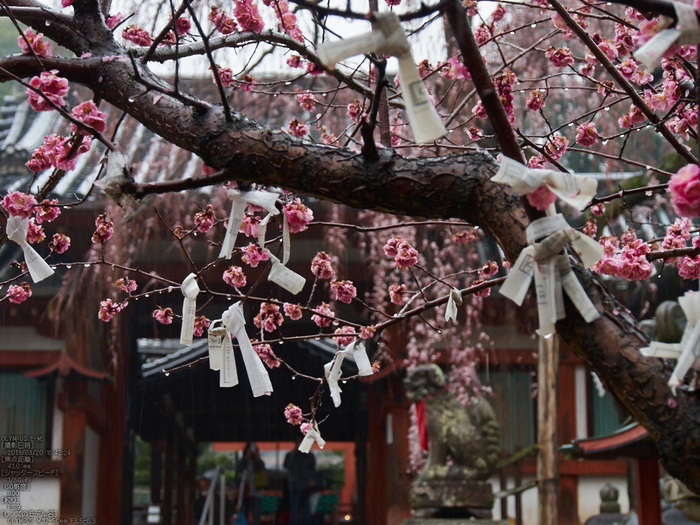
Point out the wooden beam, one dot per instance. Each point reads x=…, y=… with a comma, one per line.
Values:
x=648, y=493
x=547, y=432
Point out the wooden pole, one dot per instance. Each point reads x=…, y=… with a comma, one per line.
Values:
x=548, y=458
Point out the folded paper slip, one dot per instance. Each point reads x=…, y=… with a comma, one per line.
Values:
x=259, y=379
x=239, y=201
x=333, y=371
x=190, y=289
x=688, y=350
x=686, y=31
x=17, y=228
x=312, y=435
x=388, y=38
x=552, y=271
x=575, y=190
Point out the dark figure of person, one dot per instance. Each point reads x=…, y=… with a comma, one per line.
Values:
x=300, y=468
x=253, y=479
x=203, y=485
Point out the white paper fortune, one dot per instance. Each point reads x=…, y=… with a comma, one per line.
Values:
x=215, y=335
x=283, y=276
x=552, y=271
x=388, y=38
x=17, y=232
x=575, y=190
x=234, y=321
x=190, y=289
x=454, y=300
x=333, y=369
x=239, y=200
x=312, y=435
x=687, y=31
x=687, y=351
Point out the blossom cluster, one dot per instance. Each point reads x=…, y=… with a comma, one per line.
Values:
x=403, y=253
x=629, y=262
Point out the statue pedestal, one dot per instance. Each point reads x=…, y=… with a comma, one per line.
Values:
x=451, y=500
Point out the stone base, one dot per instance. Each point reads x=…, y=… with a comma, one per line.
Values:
x=445, y=521
x=436, y=494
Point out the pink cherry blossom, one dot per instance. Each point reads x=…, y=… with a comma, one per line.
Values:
x=269, y=317
x=298, y=129
x=163, y=315
x=344, y=291
x=293, y=311
x=114, y=20
x=536, y=162
x=635, y=116
x=397, y=294
x=19, y=204
x=47, y=211
x=587, y=134
x=246, y=83
x=104, y=229
x=321, y=266
x=320, y=320
x=355, y=109
x=88, y=113
x=559, y=57
x=305, y=427
x=391, y=248
x=689, y=267
x=535, y=100
x=295, y=61
x=307, y=101
x=225, y=75
x=265, y=353
x=298, y=215
x=598, y=210
x=482, y=34
x=200, y=324
x=406, y=255
x=204, y=220
x=254, y=255
x=557, y=146
x=479, y=111
x=541, y=198
x=36, y=41
x=126, y=284
x=60, y=243
x=293, y=414
x=223, y=23
x=249, y=225
x=591, y=228
x=18, y=293
x=498, y=13
x=234, y=276
x=183, y=26
x=53, y=88
x=367, y=332
x=109, y=309
x=314, y=69
x=248, y=16
x=685, y=191
x=489, y=270
x=137, y=35
x=35, y=233
x=344, y=335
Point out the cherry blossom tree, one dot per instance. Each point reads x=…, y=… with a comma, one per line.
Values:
x=542, y=83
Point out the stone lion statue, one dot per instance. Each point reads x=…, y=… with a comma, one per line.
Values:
x=468, y=436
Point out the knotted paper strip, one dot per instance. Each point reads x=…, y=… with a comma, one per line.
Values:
x=388, y=38
x=215, y=335
x=575, y=190
x=552, y=271
x=190, y=289
x=686, y=31
x=452, y=303
x=286, y=278
x=239, y=200
x=333, y=369
x=17, y=231
x=312, y=435
x=234, y=321
x=688, y=350
x=286, y=241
